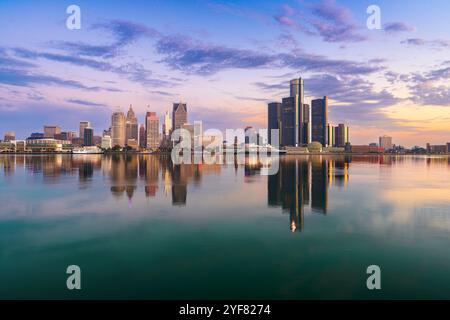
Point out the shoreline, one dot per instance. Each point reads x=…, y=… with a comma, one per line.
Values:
x=281, y=154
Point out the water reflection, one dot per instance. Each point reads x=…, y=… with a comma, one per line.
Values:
x=301, y=181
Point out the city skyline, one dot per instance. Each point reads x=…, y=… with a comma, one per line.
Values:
x=228, y=59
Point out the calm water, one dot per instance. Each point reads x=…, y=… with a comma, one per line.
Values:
x=140, y=227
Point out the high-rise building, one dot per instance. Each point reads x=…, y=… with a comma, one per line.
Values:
x=88, y=138
x=179, y=115
x=142, y=136
x=274, y=120
x=341, y=135
x=10, y=136
x=132, y=127
x=330, y=135
x=198, y=135
x=320, y=120
x=51, y=131
x=295, y=116
x=307, y=124
x=385, y=142
x=289, y=122
x=167, y=125
x=152, y=128
x=118, y=128
x=106, y=142
x=83, y=125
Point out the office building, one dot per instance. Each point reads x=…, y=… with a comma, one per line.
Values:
x=142, y=136
x=341, y=135
x=385, y=142
x=88, y=138
x=106, y=142
x=152, y=129
x=83, y=125
x=198, y=135
x=132, y=127
x=295, y=117
x=167, y=125
x=274, y=120
x=51, y=131
x=179, y=115
x=118, y=128
x=330, y=135
x=9, y=136
x=320, y=120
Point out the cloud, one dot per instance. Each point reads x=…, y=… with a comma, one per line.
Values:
x=84, y=103
x=396, y=27
x=335, y=23
x=123, y=32
x=190, y=56
x=193, y=57
x=437, y=44
x=25, y=79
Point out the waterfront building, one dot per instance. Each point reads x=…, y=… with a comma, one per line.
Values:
x=142, y=136
x=9, y=136
x=330, y=135
x=167, y=125
x=341, y=135
x=179, y=115
x=152, y=129
x=118, y=129
x=50, y=131
x=88, y=138
x=106, y=142
x=132, y=127
x=48, y=145
x=198, y=135
x=320, y=120
x=36, y=135
x=386, y=142
x=83, y=125
x=274, y=120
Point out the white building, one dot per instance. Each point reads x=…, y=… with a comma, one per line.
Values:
x=106, y=142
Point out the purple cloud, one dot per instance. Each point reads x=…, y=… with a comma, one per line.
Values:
x=396, y=27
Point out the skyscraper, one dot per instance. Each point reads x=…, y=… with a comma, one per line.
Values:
x=198, y=135
x=295, y=116
x=341, y=135
x=83, y=125
x=142, y=136
x=152, y=128
x=330, y=135
x=307, y=126
x=118, y=129
x=274, y=119
x=88, y=139
x=132, y=128
x=179, y=115
x=51, y=131
x=167, y=125
x=385, y=142
x=320, y=120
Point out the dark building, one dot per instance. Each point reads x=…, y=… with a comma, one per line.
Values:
x=295, y=117
x=274, y=120
x=88, y=139
x=179, y=115
x=319, y=115
x=341, y=135
x=36, y=135
x=289, y=122
x=142, y=136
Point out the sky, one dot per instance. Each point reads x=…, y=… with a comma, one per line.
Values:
x=227, y=60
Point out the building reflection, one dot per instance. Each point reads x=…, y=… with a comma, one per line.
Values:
x=304, y=182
